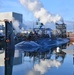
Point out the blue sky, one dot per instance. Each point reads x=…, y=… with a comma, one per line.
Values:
x=65, y=8
x=62, y=7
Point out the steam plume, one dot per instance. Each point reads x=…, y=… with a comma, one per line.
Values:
x=39, y=12
x=16, y=25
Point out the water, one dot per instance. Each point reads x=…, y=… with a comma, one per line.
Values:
x=52, y=62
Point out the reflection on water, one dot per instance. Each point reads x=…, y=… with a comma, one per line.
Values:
x=51, y=62
x=45, y=61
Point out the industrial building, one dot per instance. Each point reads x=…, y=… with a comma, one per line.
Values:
x=11, y=16
x=61, y=30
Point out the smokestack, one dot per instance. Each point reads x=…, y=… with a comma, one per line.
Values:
x=40, y=12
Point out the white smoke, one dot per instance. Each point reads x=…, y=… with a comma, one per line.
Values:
x=16, y=25
x=39, y=12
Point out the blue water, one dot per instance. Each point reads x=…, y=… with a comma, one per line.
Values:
x=46, y=63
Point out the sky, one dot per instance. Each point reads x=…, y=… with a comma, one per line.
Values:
x=62, y=7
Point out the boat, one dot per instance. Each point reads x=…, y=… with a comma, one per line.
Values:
x=61, y=41
x=27, y=46
x=41, y=39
